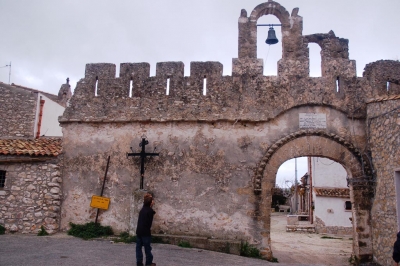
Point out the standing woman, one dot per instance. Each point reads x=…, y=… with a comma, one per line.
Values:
x=143, y=234
x=396, y=250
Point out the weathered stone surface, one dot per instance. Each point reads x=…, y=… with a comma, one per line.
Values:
x=22, y=200
x=385, y=151
x=219, y=152
x=17, y=101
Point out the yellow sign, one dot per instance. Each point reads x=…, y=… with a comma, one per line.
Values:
x=100, y=202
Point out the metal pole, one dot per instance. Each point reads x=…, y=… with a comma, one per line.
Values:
x=269, y=25
x=295, y=184
x=310, y=173
x=9, y=75
x=102, y=189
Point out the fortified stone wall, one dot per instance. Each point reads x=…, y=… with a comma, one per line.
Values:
x=203, y=180
x=228, y=98
x=384, y=139
x=31, y=197
x=219, y=152
x=17, y=112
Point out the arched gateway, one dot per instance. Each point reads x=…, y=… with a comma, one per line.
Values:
x=317, y=143
x=219, y=152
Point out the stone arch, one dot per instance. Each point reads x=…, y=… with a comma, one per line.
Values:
x=271, y=8
x=275, y=9
x=292, y=26
x=320, y=144
x=334, y=137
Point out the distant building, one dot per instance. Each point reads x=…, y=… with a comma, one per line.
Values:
x=30, y=145
x=331, y=197
x=328, y=206
x=30, y=113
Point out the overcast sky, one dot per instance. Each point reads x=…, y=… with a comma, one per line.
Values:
x=47, y=41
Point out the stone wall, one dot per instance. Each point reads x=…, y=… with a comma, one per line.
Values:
x=31, y=197
x=219, y=152
x=204, y=180
x=238, y=97
x=384, y=138
x=321, y=228
x=17, y=112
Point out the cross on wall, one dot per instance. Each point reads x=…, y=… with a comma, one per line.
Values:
x=142, y=154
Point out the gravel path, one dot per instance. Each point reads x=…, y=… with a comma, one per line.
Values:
x=307, y=248
x=291, y=248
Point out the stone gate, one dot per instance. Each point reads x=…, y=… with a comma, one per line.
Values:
x=220, y=150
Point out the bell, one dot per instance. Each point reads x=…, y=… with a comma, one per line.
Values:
x=271, y=37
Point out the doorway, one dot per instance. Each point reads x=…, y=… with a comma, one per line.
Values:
x=307, y=245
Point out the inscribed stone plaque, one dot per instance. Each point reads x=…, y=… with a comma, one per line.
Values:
x=312, y=120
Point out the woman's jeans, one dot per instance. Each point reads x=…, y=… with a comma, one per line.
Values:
x=140, y=242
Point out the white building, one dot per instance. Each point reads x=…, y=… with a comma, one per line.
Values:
x=331, y=197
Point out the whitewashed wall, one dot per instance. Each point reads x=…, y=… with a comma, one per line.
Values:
x=331, y=210
x=51, y=111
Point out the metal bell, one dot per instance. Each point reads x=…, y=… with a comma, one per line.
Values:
x=271, y=37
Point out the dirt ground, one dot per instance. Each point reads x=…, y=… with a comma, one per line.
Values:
x=307, y=248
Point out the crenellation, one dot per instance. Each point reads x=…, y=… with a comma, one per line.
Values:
x=381, y=72
x=134, y=76
x=112, y=88
x=248, y=94
x=247, y=67
x=170, y=69
x=209, y=70
x=134, y=71
x=100, y=71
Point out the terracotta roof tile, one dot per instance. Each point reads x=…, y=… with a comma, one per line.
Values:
x=332, y=192
x=33, y=147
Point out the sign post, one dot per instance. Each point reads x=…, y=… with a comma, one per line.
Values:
x=101, y=202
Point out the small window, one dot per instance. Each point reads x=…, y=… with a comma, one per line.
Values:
x=2, y=178
x=347, y=205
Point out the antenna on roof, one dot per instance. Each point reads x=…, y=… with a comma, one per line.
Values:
x=9, y=73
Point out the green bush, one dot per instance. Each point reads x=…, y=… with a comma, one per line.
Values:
x=159, y=240
x=125, y=237
x=246, y=250
x=184, y=244
x=2, y=230
x=42, y=232
x=353, y=260
x=274, y=260
x=89, y=230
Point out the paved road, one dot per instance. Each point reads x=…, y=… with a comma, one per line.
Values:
x=61, y=249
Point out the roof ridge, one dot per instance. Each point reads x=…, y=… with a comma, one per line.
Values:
x=33, y=147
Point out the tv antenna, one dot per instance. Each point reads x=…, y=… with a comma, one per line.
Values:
x=9, y=72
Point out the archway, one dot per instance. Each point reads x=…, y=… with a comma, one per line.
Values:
x=319, y=144
x=270, y=54
x=319, y=229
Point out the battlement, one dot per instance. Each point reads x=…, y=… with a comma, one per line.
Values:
x=132, y=71
x=207, y=95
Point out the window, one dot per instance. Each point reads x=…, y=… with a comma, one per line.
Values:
x=347, y=205
x=2, y=178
